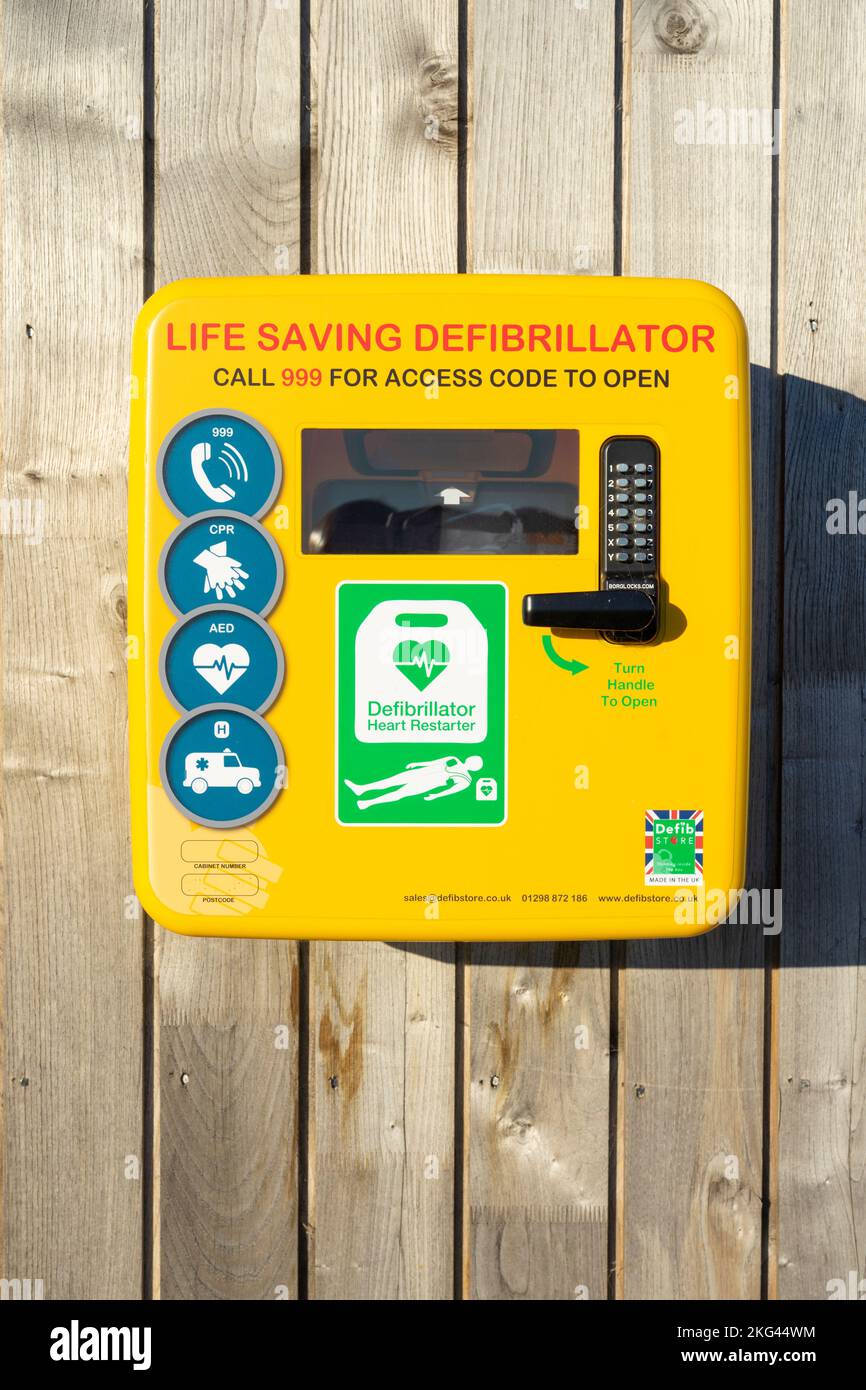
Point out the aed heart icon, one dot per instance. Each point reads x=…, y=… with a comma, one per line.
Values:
x=221, y=645
x=421, y=662
x=221, y=666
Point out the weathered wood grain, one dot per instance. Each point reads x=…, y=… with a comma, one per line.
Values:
x=228, y=93
x=228, y=1098
x=538, y=1121
x=542, y=139
x=821, y=1139
x=382, y=1124
x=71, y=167
x=386, y=168
x=541, y=197
x=227, y=202
x=382, y=1016
x=691, y=1020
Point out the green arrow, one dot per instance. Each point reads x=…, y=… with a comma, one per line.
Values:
x=575, y=667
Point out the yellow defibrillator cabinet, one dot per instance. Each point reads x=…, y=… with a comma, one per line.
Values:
x=439, y=607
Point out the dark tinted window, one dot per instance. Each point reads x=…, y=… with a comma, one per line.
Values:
x=426, y=492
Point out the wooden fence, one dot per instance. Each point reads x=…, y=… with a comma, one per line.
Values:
x=203, y=1119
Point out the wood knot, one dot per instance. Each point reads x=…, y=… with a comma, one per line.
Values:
x=118, y=604
x=681, y=26
x=518, y=1127
x=437, y=100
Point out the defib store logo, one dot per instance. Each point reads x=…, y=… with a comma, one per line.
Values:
x=673, y=847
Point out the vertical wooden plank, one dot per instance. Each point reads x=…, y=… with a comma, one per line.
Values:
x=542, y=196
x=227, y=202
x=382, y=1133
x=71, y=174
x=382, y=1016
x=691, y=1013
x=538, y=1121
x=822, y=987
x=387, y=132
x=542, y=137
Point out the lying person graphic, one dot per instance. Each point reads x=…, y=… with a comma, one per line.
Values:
x=433, y=779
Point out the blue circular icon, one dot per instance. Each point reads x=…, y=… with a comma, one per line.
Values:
x=219, y=459
x=217, y=650
x=221, y=558
x=222, y=766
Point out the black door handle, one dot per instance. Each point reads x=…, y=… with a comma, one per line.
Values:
x=600, y=610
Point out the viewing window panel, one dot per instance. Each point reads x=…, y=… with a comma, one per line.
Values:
x=440, y=492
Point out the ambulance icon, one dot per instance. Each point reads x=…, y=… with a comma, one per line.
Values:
x=225, y=769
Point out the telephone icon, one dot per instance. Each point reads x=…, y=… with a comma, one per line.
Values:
x=231, y=459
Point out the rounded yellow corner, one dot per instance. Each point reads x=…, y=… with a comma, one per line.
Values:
x=722, y=302
x=159, y=912
x=703, y=910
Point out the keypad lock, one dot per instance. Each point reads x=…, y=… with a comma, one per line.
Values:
x=630, y=532
x=625, y=608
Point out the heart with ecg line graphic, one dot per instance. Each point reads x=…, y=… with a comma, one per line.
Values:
x=221, y=666
x=421, y=662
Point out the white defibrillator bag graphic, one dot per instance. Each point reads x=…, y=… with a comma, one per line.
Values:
x=421, y=673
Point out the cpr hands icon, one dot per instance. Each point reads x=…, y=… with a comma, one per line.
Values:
x=222, y=573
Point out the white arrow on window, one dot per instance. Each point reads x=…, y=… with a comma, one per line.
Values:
x=452, y=496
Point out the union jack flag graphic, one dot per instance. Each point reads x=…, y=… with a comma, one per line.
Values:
x=663, y=862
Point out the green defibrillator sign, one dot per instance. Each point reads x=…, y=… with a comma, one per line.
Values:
x=421, y=704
